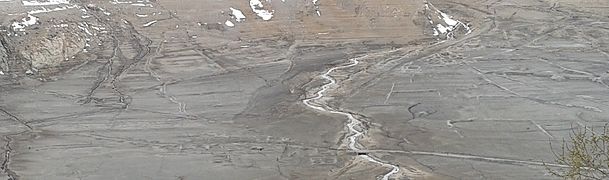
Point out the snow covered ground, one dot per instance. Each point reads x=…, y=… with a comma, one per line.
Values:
x=443, y=24
x=258, y=8
x=44, y=3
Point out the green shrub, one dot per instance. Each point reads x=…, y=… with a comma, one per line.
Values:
x=585, y=155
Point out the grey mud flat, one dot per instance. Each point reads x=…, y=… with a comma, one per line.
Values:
x=328, y=89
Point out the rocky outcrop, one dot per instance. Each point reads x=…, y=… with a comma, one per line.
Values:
x=51, y=49
x=4, y=56
x=39, y=49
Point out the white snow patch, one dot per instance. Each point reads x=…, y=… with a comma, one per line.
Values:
x=98, y=28
x=46, y=10
x=238, y=14
x=137, y=3
x=448, y=20
x=142, y=5
x=443, y=29
x=317, y=11
x=85, y=49
x=25, y=22
x=449, y=24
x=150, y=23
x=87, y=45
x=229, y=24
x=44, y=3
x=61, y=25
x=105, y=12
x=120, y=2
x=84, y=29
x=257, y=7
x=141, y=15
x=1, y=73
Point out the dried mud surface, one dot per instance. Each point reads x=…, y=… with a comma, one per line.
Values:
x=362, y=90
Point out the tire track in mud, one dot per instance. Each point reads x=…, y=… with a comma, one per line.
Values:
x=7, y=159
x=17, y=119
x=142, y=46
x=498, y=160
x=354, y=125
x=107, y=73
x=101, y=75
x=8, y=149
x=422, y=54
x=162, y=88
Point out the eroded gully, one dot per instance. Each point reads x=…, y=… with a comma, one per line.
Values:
x=354, y=125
